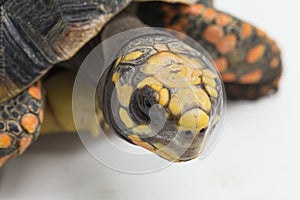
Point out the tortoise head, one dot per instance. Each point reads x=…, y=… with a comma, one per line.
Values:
x=162, y=100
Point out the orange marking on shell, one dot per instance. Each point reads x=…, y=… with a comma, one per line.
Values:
x=5, y=140
x=35, y=92
x=227, y=44
x=274, y=62
x=209, y=14
x=223, y=19
x=246, y=30
x=256, y=53
x=4, y=159
x=228, y=77
x=221, y=63
x=24, y=143
x=30, y=122
x=252, y=77
x=196, y=9
x=213, y=34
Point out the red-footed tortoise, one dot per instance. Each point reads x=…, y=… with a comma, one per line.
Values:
x=36, y=35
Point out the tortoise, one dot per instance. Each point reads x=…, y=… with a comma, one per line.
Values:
x=37, y=35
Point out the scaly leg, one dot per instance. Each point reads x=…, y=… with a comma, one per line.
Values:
x=20, y=121
x=248, y=60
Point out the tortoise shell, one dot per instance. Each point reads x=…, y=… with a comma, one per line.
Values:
x=34, y=35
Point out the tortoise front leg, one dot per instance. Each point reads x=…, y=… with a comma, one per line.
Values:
x=20, y=121
x=248, y=60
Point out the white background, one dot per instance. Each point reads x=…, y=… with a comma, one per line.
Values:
x=256, y=158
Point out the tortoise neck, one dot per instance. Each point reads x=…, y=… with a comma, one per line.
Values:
x=122, y=22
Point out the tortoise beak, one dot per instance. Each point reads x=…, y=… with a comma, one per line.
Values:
x=175, y=145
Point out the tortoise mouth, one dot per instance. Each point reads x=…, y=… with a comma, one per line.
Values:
x=176, y=146
x=179, y=154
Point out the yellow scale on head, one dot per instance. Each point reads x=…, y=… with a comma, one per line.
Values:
x=151, y=82
x=209, y=79
x=126, y=119
x=187, y=98
x=124, y=92
x=163, y=97
x=195, y=120
x=172, y=70
x=132, y=56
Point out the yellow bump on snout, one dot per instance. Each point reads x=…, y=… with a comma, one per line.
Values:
x=132, y=56
x=126, y=119
x=151, y=82
x=194, y=120
x=163, y=96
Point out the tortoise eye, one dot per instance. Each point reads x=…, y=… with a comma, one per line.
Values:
x=146, y=103
x=141, y=102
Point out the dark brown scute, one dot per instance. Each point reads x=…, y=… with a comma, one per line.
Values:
x=34, y=35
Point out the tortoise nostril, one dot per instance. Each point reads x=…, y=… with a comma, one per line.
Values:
x=188, y=133
x=187, y=136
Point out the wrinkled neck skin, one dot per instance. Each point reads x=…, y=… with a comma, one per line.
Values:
x=60, y=101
